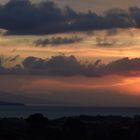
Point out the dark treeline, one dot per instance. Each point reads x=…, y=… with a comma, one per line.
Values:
x=38, y=127
x=24, y=17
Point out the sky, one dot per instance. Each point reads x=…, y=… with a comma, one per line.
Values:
x=98, y=5
x=72, y=91
x=56, y=55
x=95, y=5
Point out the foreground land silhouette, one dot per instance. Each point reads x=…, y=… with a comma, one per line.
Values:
x=38, y=127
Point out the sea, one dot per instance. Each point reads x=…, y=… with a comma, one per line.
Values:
x=53, y=112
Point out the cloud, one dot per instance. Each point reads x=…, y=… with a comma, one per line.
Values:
x=123, y=66
x=70, y=66
x=57, y=41
x=24, y=17
x=56, y=66
x=105, y=41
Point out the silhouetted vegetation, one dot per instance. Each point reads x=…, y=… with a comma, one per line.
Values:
x=38, y=127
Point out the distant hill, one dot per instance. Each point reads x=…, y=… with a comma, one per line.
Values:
x=11, y=103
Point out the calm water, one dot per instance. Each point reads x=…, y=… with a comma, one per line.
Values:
x=56, y=112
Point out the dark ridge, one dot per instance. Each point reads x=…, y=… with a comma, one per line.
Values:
x=10, y=103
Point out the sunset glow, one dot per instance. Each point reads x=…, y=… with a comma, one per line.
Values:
x=68, y=55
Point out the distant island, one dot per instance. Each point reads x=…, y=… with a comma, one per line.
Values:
x=11, y=103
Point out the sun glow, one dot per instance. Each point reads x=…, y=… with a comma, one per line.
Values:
x=132, y=86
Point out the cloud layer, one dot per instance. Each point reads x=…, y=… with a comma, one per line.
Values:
x=70, y=66
x=57, y=41
x=24, y=17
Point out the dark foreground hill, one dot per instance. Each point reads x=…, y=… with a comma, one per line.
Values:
x=38, y=127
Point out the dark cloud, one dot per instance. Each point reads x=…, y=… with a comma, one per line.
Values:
x=57, y=41
x=24, y=17
x=70, y=66
x=105, y=41
x=123, y=66
x=56, y=66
